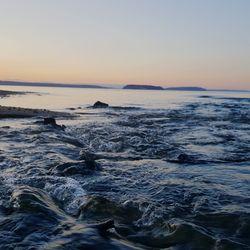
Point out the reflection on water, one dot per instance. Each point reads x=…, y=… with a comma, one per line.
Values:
x=62, y=98
x=172, y=173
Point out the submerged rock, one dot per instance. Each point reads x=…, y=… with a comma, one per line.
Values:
x=99, y=104
x=31, y=200
x=72, y=168
x=100, y=208
x=90, y=159
x=184, y=158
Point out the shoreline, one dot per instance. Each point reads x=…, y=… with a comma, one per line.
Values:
x=7, y=93
x=18, y=112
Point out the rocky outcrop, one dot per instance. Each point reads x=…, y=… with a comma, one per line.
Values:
x=143, y=87
x=52, y=121
x=99, y=104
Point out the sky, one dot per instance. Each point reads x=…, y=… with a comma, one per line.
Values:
x=202, y=43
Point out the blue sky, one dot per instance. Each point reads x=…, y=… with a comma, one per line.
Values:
x=163, y=42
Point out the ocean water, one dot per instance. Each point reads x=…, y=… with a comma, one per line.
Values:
x=155, y=170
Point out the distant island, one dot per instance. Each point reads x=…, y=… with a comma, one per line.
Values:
x=109, y=86
x=186, y=88
x=143, y=87
x=152, y=87
x=54, y=85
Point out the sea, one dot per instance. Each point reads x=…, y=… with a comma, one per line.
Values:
x=155, y=170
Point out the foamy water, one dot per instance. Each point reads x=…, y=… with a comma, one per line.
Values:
x=172, y=169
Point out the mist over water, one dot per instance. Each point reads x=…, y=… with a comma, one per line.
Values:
x=171, y=169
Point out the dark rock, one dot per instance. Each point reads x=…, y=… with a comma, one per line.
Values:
x=52, y=121
x=99, y=104
x=62, y=126
x=5, y=127
x=49, y=121
x=2, y=158
x=104, y=226
x=142, y=87
x=184, y=158
x=205, y=96
x=90, y=160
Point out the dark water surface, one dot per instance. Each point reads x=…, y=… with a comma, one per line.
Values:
x=173, y=176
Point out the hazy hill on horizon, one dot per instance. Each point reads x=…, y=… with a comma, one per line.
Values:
x=152, y=87
x=111, y=86
x=45, y=84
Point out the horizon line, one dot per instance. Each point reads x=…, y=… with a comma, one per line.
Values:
x=107, y=85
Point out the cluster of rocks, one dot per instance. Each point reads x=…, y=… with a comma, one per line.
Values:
x=52, y=121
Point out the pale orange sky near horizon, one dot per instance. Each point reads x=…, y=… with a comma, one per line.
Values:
x=161, y=42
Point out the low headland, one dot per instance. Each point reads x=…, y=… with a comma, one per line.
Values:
x=110, y=86
x=186, y=88
x=54, y=85
x=152, y=87
x=6, y=93
x=143, y=87
x=17, y=112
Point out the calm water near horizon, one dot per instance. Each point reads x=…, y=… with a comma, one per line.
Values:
x=62, y=98
x=170, y=168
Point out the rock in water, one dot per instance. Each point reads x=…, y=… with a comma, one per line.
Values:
x=72, y=168
x=104, y=226
x=49, y=121
x=184, y=158
x=99, y=104
x=90, y=160
x=52, y=121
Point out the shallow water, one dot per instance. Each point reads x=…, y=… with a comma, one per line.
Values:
x=172, y=169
